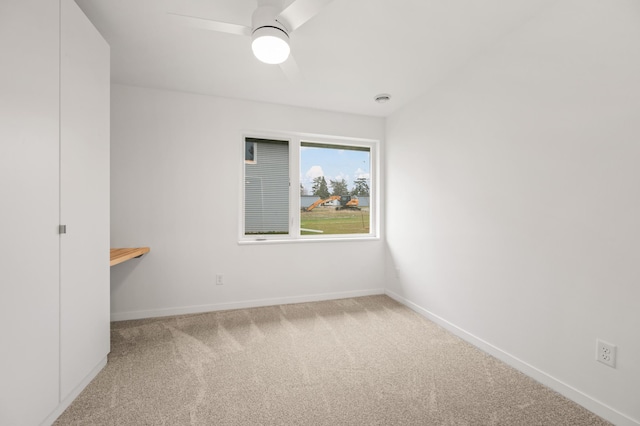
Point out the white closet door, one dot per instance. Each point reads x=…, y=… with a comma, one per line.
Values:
x=29, y=210
x=84, y=186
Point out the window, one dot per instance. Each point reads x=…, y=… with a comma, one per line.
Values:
x=250, y=152
x=305, y=189
x=266, y=187
x=337, y=178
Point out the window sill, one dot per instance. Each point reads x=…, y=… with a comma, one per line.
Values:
x=307, y=240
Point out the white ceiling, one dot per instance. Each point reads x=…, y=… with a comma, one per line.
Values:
x=348, y=53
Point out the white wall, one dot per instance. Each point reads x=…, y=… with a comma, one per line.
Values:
x=176, y=161
x=522, y=172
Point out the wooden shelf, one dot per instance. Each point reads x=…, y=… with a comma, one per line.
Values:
x=119, y=255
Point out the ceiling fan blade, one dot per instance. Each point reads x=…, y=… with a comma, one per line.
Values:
x=299, y=12
x=291, y=70
x=210, y=25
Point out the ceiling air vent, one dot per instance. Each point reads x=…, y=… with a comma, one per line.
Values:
x=382, y=98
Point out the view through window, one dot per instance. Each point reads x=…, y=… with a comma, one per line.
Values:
x=299, y=189
x=334, y=189
x=266, y=187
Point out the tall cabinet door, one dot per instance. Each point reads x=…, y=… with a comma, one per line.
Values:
x=84, y=186
x=29, y=210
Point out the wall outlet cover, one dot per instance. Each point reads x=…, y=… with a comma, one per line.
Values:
x=606, y=353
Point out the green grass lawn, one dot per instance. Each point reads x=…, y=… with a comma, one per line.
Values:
x=331, y=221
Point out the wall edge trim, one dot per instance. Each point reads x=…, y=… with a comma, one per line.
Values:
x=597, y=407
x=256, y=303
x=66, y=402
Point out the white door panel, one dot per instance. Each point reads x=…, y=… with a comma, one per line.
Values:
x=84, y=183
x=29, y=210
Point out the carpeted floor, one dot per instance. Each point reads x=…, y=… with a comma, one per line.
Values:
x=361, y=361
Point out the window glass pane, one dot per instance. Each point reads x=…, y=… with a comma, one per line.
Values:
x=266, y=188
x=334, y=189
x=249, y=152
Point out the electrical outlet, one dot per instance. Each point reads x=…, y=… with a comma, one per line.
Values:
x=606, y=353
x=219, y=279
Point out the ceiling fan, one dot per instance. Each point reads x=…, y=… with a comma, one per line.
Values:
x=271, y=28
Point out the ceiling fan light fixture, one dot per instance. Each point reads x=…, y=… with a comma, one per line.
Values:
x=270, y=45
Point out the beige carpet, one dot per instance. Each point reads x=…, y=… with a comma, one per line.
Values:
x=361, y=361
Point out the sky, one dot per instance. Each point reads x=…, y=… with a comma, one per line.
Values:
x=333, y=164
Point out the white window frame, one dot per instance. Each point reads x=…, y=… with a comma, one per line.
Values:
x=294, y=140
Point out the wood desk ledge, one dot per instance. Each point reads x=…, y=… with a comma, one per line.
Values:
x=119, y=255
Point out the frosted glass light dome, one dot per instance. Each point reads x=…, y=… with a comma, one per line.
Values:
x=270, y=45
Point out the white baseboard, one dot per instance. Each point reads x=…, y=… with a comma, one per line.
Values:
x=184, y=310
x=562, y=388
x=75, y=392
